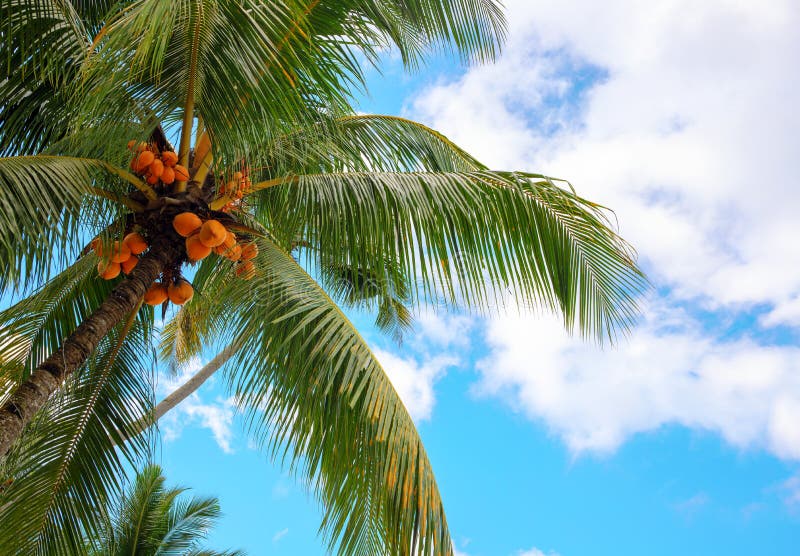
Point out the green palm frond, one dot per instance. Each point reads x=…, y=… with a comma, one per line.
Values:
x=42, y=45
x=153, y=520
x=227, y=51
x=94, y=13
x=186, y=521
x=40, y=322
x=42, y=210
x=278, y=64
x=363, y=143
x=182, y=336
x=468, y=238
x=472, y=29
x=195, y=325
x=387, y=295
x=316, y=395
x=68, y=465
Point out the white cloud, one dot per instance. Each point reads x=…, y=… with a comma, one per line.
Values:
x=667, y=372
x=217, y=415
x=536, y=552
x=791, y=492
x=413, y=381
x=443, y=330
x=692, y=505
x=688, y=130
x=785, y=313
x=280, y=534
x=690, y=135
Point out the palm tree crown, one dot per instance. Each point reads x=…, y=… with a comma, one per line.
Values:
x=317, y=209
x=153, y=520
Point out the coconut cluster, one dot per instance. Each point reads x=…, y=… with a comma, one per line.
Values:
x=178, y=292
x=123, y=255
x=156, y=166
x=237, y=187
x=203, y=237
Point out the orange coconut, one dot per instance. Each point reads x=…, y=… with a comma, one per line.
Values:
x=156, y=295
x=186, y=223
x=249, y=251
x=120, y=252
x=97, y=246
x=129, y=264
x=181, y=173
x=230, y=241
x=169, y=158
x=135, y=243
x=213, y=233
x=142, y=161
x=168, y=175
x=156, y=168
x=246, y=270
x=234, y=253
x=180, y=292
x=196, y=249
x=107, y=270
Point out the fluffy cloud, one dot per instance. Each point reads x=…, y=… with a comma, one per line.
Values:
x=217, y=415
x=687, y=129
x=277, y=537
x=681, y=116
x=442, y=330
x=667, y=372
x=536, y=552
x=791, y=492
x=414, y=381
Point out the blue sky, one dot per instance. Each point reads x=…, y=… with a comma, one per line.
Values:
x=685, y=438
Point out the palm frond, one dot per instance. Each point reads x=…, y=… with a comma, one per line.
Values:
x=38, y=324
x=472, y=29
x=194, y=326
x=154, y=520
x=387, y=295
x=362, y=143
x=67, y=466
x=280, y=64
x=319, y=398
x=42, y=210
x=468, y=239
x=188, y=521
x=42, y=45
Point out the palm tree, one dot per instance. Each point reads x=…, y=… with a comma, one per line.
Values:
x=152, y=520
x=344, y=210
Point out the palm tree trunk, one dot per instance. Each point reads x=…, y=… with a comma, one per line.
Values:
x=186, y=389
x=32, y=394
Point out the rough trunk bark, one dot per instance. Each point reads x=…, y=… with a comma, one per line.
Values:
x=32, y=394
